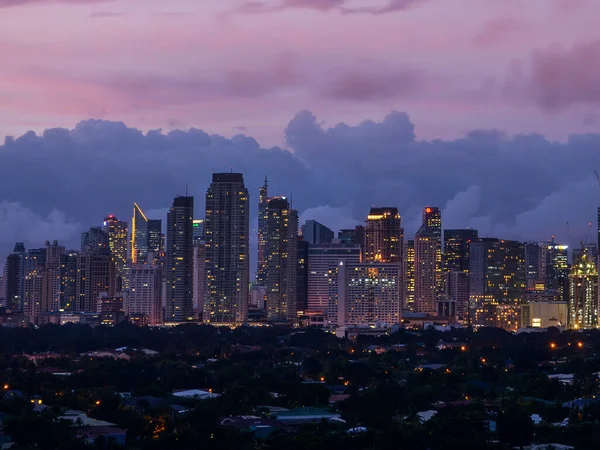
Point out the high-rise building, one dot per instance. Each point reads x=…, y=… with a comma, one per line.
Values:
x=226, y=230
x=535, y=264
x=146, y=237
x=95, y=240
x=95, y=274
x=145, y=293
x=263, y=200
x=409, y=275
x=366, y=294
x=583, y=298
x=68, y=281
x=456, y=248
x=353, y=236
x=54, y=253
x=282, y=260
x=14, y=278
x=34, y=284
x=117, y=242
x=198, y=231
x=428, y=262
x=457, y=284
x=316, y=233
x=180, y=261
x=322, y=264
x=384, y=236
x=557, y=269
x=199, y=276
x=590, y=248
x=302, y=280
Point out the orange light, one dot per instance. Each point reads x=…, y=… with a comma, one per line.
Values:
x=322, y=378
x=427, y=210
x=580, y=344
x=6, y=386
x=552, y=345
x=483, y=360
x=97, y=402
x=463, y=348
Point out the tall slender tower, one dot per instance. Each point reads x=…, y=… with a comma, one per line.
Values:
x=428, y=261
x=180, y=261
x=384, y=236
x=117, y=242
x=145, y=237
x=226, y=230
x=282, y=260
x=263, y=201
x=583, y=298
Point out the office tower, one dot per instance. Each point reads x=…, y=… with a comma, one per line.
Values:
x=409, y=275
x=95, y=274
x=199, y=277
x=535, y=264
x=366, y=294
x=456, y=248
x=352, y=235
x=384, y=236
x=428, y=261
x=117, y=242
x=145, y=293
x=583, y=297
x=108, y=304
x=68, y=281
x=302, y=280
x=282, y=260
x=263, y=200
x=198, y=231
x=458, y=291
x=95, y=240
x=258, y=297
x=316, y=233
x=557, y=269
x=54, y=253
x=227, y=249
x=145, y=237
x=180, y=261
x=322, y=263
x=13, y=278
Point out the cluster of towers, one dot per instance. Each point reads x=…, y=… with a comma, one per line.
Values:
x=200, y=270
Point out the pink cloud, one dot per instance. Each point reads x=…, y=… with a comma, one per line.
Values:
x=12, y=3
x=256, y=6
x=497, y=31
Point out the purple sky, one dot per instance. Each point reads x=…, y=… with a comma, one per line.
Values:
x=231, y=65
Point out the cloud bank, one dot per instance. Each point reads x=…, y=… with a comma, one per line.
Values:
x=525, y=187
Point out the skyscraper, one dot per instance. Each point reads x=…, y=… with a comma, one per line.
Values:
x=34, y=284
x=583, y=297
x=226, y=230
x=199, y=276
x=384, y=236
x=68, y=281
x=428, y=261
x=54, y=254
x=95, y=274
x=557, y=269
x=409, y=275
x=95, y=240
x=117, y=242
x=198, y=231
x=145, y=293
x=14, y=278
x=302, y=279
x=180, y=261
x=263, y=200
x=316, y=233
x=282, y=260
x=535, y=264
x=456, y=248
x=145, y=237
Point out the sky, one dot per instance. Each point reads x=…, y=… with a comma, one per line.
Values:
x=488, y=109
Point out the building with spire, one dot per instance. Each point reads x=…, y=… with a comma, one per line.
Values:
x=226, y=230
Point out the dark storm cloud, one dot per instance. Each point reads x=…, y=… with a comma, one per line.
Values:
x=54, y=185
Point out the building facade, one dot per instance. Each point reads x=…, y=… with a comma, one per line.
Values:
x=428, y=262
x=384, y=236
x=263, y=201
x=316, y=233
x=226, y=228
x=117, y=231
x=146, y=236
x=145, y=293
x=583, y=297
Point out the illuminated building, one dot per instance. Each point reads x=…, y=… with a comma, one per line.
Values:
x=68, y=281
x=322, y=261
x=590, y=248
x=302, y=277
x=199, y=276
x=263, y=200
x=145, y=293
x=366, y=294
x=146, y=236
x=34, y=284
x=409, y=274
x=180, y=261
x=198, y=231
x=543, y=313
x=109, y=304
x=13, y=278
x=384, y=236
x=557, y=269
x=428, y=261
x=282, y=260
x=535, y=263
x=497, y=278
x=95, y=240
x=53, y=264
x=117, y=243
x=316, y=233
x=95, y=274
x=583, y=297
x=226, y=230
x=456, y=248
